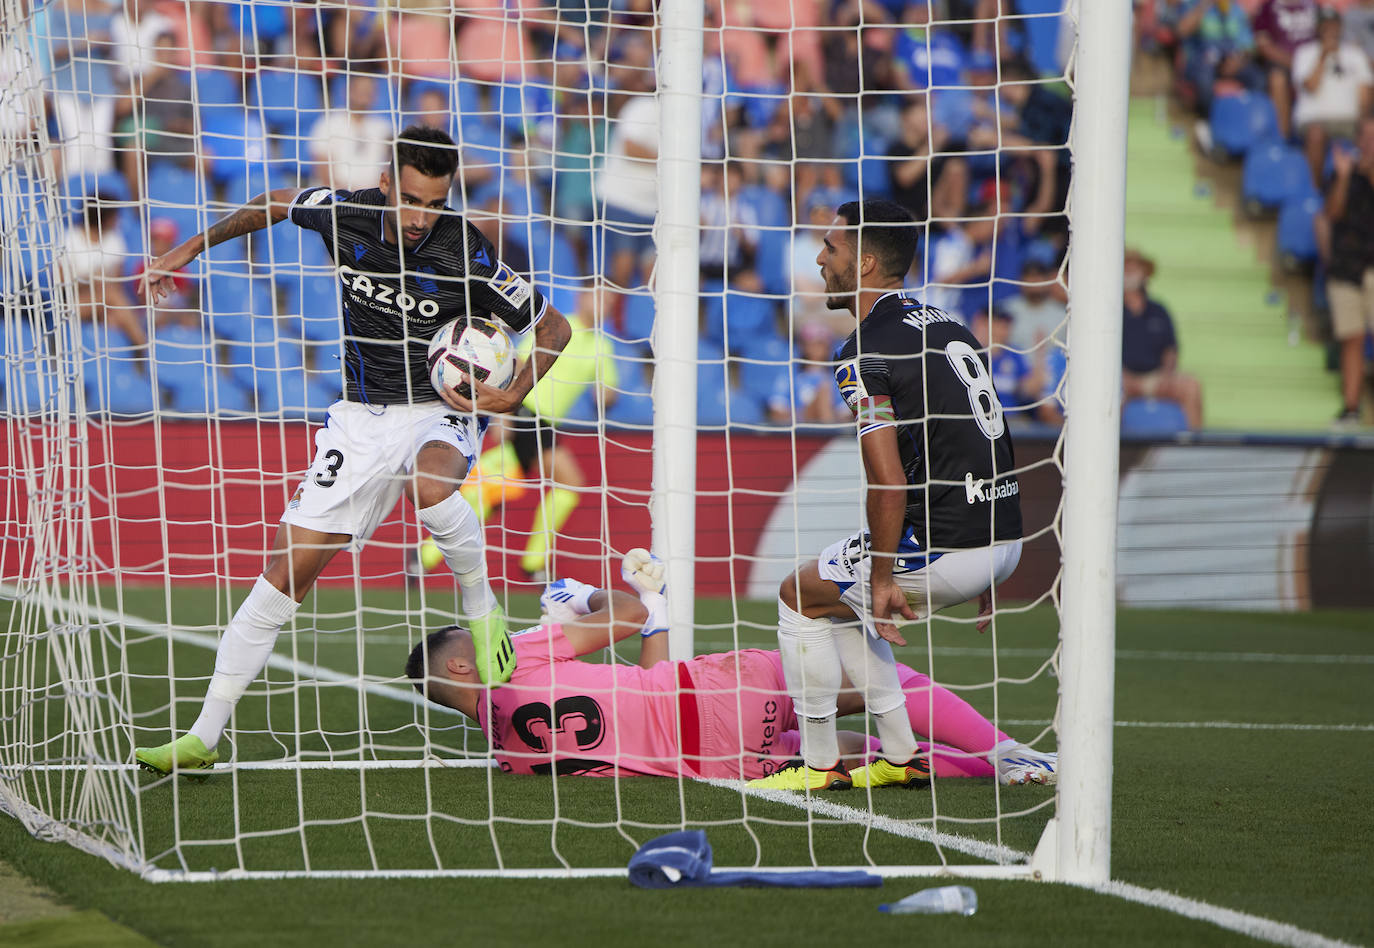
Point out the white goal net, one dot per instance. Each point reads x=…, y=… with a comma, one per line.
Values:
x=148, y=450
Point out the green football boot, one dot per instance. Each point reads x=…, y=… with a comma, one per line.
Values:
x=187, y=752
x=491, y=641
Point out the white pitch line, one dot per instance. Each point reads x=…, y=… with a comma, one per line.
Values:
x=226, y=767
x=1256, y=926
x=1209, y=725
x=1150, y=655
x=972, y=847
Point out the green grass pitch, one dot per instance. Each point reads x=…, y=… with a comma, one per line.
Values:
x=1271, y=818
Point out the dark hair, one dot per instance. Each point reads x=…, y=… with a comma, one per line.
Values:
x=415, y=665
x=427, y=150
x=886, y=230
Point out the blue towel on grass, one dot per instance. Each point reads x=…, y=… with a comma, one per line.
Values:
x=683, y=859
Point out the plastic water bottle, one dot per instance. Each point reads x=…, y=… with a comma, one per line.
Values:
x=946, y=900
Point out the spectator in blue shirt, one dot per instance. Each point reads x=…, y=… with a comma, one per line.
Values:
x=1218, y=44
x=1018, y=379
x=927, y=56
x=1149, y=347
x=810, y=395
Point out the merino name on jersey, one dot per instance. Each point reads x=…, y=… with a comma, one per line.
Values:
x=915, y=368
x=395, y=299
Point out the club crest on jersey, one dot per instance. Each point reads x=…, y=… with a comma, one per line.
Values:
x=510, y=286
x=426, y=284
x=851, y=384
x=385, y=295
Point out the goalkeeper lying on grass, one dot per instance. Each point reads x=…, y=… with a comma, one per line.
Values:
x=719, y=715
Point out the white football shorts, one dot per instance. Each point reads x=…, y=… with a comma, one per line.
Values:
x=931, y=581
x=364, y=455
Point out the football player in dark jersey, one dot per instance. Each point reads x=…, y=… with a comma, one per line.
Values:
x=943, y=502
x=407, y=265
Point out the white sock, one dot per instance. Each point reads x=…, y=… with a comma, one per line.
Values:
x=457, y=532
x=872, y=668
x=811, y=666
x=242, y=653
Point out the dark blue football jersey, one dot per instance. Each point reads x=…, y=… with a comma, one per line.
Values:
x=395, y=299
x=918, y=369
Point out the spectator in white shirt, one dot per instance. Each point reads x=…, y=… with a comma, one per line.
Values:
x=1332, y=80
x=350, y=145
x=628, y=186
x=94, y=261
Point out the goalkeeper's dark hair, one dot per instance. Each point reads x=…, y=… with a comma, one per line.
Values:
x=886, y=230
x=428, y=150
x=434, y=643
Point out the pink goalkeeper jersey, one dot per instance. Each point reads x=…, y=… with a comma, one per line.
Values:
x=715, y=716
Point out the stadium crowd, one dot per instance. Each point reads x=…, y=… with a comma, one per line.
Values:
x=169, y=113
x=1288, y=87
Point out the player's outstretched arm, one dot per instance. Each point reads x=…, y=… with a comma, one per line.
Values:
x=615, y=616
x=262, y=211
x=551, y=336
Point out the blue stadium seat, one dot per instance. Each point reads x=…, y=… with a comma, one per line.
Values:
x=25, y=217
x=314, y=299
x=1239, y=122
x=1274, y=173
x=739, y=319
x=217, y=87
x=773, y=261
x=584, y=409
x=126, y=391
x=216, y=394
x=232, y=302
x=767, y=361
x=638, y=317
x=29, y=388
x=178, y=194
x=286, y=245
x=1152, y=418
x=284, y=96
x=1297, y=236
x=173, y=377
x=256, y=365
x=875, y=180
x=291, y=393
x=631, y=409
x=718, y=407
x=180, y=344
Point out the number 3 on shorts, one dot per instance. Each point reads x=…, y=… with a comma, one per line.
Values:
x=330, y=474
x=982, y=397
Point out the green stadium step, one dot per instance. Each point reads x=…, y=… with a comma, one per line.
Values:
x=1232, y=325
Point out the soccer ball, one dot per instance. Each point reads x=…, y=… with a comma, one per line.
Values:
x=471, y=345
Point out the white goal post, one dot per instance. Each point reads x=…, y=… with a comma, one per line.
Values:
x=128, y=534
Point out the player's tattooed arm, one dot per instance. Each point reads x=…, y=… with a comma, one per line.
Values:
x=262, y=211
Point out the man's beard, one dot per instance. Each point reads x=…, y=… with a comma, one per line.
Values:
x=838, y=297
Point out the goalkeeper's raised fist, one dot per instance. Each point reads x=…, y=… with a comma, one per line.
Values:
x=643, y=571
